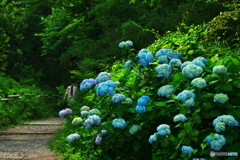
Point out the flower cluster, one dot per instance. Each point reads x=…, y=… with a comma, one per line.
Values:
x=64, y=112
x=128, y=64
x=145, y=57
x=141, y=105
x=103, y=77
x=73, y=137
x=125, y=44
x=199, y=159
x=77, y=121
x=166, y=91
x=175, y=63
x=216, y=142
x=165, y=55
x=187, y=97
x=94, y=112
x=163, y=129
x=99, y=137
x=199, y=83
x=106, y=88
x=87, y=84
x=221, y=98
x=192, y=71
x=187, y=149
x=134, y=129
x=165, y=52
x=84, y=111
x=152, y=138
x=220, y=122
x=116, y=98
x=179, y=118
x=92, y=120
x=219, y=69
x=163, y=70
x=119, y=123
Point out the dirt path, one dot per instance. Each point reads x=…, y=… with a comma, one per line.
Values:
x=29, y=141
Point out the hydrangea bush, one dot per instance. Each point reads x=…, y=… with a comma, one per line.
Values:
x=163, y=107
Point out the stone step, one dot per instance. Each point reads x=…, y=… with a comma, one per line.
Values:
x=29, y=141
x=31, y=129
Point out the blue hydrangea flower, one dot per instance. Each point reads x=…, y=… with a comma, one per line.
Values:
x=176, y=56
x=164, y=70
x=92, y=120
x=166, y=91
x=121, y=44
x=116, y=98
x=199, y=83
x=185, y=95
x=198, y=63
x=85, y=108
x=62, y=113
x=187, y=149
x=185, y=64
x=84, y=113
x=180, y=118
x=202, y=59
x=165, y=51
x=163, y=59
x=73, y=137
x=175, y=63
x=104, y=132
x=98, y=139
x=152, y=138
x=221, y=98
x=143, y=100
x=163, y=129
x=219, y=69
x=125, y=44
x=145, y=57
x=190, y=102
x=199, y=159
x=192, y=71
x=140, y=109
x=103, y=77
x=217, y=142
x=77, y=121
x=119, y=123
x=87, y=84
x=220, y=127
x=128, y=64
x=220, y=122
x=68, y=111
x=94, y=112
x=106, y=88
x=134, y=129
x=128, y=42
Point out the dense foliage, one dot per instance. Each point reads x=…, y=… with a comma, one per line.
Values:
x=30, y=105
x=157, y=104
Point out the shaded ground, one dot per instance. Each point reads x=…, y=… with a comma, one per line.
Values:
x=29, y=141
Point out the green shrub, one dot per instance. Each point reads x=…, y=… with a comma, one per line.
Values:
x=200, y=106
